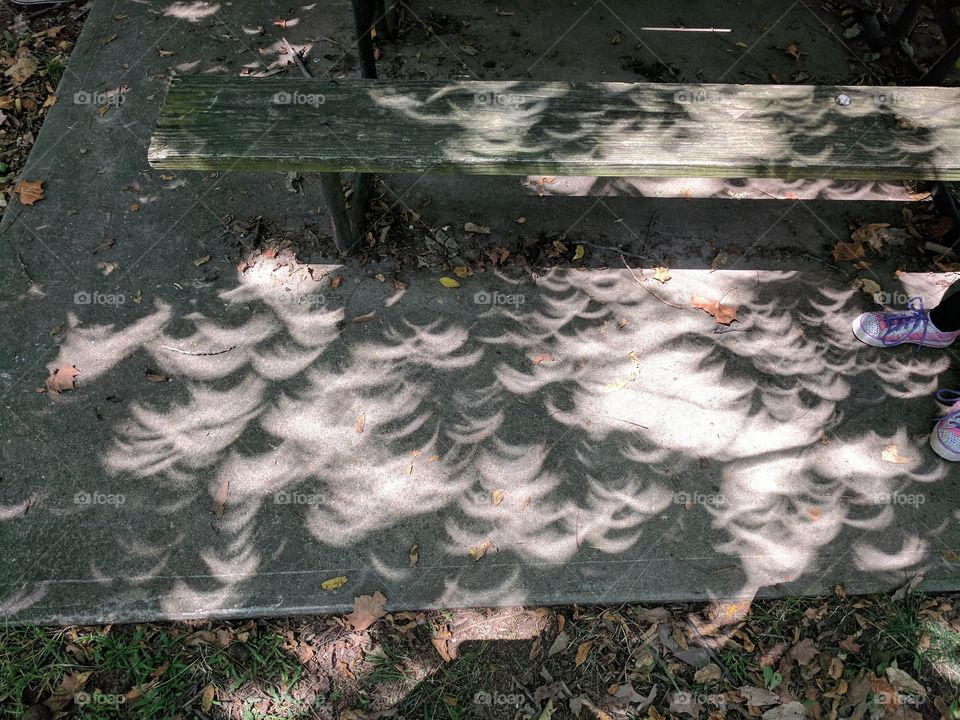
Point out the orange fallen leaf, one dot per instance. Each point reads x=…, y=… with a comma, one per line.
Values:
x=793, y=51
x=367, y=609
x=541, y=358
x=63, y=378
x=582, y=653
x=892, y=455
x=30, y=191
x=723, y=314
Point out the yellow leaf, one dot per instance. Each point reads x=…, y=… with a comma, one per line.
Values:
x=206, y=699
x=449, y=282
x=614, y=386
x=478, y=551
x=582, y=652
x=497, y=497
x=578, y=253
x=334, y=583
x=661, y=274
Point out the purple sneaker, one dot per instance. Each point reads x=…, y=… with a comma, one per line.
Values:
x=913, y=326
x=945, y=438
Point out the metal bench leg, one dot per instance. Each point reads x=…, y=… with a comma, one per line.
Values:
x=363, y=17
x=344, y=236
x=348, y=226
x=900, y=28
x=387, y=19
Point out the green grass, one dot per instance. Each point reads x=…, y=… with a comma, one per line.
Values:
x=448, y=693
x=33, y=662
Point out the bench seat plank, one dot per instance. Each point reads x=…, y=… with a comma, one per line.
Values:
x=559, y=128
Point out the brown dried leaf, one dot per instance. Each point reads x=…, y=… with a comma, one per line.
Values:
x=723, y=314
x=583, y=651
x=847, y=251
x=367, y=609
x=30, y=191
x=220, y=497
x=63, y=378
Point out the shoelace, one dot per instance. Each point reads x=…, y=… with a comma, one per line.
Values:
x=898, y=321
x=949, y=398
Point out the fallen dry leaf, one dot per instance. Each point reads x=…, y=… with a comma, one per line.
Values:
x=30, y=191
x=441, y=646
x=496, y=497
x=583, y=652
x=719, y=261
x=723, y=314
x=578, y=253
x=478, y=551
x=541, y=358
x=847, y=251
x=890, y=454
x=334, y=583
x=661, y=274
x=206, y=698
x=202, y=260
x=476, y=229
x=63, y=694
x=449, y=282
x=367, y=609
x=335, y=281
x=361, y=423
x=792, y=50
x=414, y=555
x=22, y=69
x=63, y=378
x=220, y=497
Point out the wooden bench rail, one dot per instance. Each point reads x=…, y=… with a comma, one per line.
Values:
x=554, y=128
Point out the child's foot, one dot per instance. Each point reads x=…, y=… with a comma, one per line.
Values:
x=945, y=438
x=913, y=326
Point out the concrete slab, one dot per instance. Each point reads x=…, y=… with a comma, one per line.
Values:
x=651, y=457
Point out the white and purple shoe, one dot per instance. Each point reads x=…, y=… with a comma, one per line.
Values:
x=911, y=326
x=945, y=438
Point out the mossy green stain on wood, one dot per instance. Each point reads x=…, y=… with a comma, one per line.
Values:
x=527, y=127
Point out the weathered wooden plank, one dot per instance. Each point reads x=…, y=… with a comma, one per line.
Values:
x=527, y=127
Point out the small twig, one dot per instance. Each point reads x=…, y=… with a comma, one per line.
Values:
x=296, y=58
x=198, y=352
x=640, y=283
x=578, y=529
x=628, y=422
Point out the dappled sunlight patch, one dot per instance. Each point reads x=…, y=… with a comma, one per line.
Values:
x=194, y=11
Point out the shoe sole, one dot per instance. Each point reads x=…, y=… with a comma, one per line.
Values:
x=942, y=450
x=873, y=342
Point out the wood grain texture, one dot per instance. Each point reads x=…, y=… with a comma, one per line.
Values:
x=531, y=128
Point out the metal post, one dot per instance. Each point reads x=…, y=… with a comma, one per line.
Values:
x=363, y=16
x=344, y=236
